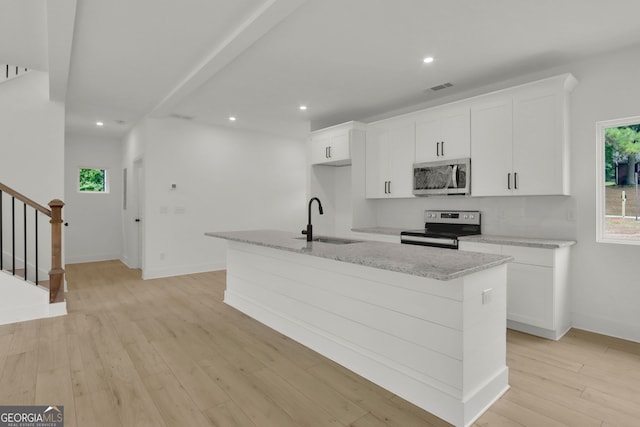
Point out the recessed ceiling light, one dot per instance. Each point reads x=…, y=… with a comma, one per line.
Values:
x=99, y=124
x=232, y=119
x=303, y=107
x=428, y=60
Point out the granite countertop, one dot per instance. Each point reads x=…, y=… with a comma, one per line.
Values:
x=425, y=261
x=391, y=231
x=532, y=242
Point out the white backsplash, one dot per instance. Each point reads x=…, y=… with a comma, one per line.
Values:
x=540, y=216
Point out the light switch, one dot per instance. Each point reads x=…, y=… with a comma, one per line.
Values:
x=487, y=295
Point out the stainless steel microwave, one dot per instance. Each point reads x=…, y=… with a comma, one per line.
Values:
x=442, y=177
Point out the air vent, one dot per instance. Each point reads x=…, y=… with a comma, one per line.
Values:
x=442, y=86
x=181, y=116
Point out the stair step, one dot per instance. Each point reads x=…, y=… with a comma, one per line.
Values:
x=44, y=284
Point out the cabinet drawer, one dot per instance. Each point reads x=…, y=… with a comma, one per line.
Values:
x=531, y=256
x=486, y=248
x=388, y=238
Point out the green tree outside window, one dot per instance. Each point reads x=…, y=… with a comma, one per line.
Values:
x=93, y=180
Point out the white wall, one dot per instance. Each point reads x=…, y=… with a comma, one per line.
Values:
x=95, y=223
x=226, y=179
x=32, y=148
x=606, y=278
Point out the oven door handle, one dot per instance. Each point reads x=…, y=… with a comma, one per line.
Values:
x=427, y=240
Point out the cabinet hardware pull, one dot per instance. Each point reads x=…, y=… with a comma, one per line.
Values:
x=509, y=181
x=515, y=180
x=326, y=152
x=389, y=187
x=442, y=148
x=329, y=151
x=437, y=149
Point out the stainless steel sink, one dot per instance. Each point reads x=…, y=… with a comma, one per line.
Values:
x=331, y=240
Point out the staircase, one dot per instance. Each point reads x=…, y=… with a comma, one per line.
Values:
x=8, y=72
x=27, y=291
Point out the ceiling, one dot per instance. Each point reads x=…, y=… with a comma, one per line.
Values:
x=120, y=61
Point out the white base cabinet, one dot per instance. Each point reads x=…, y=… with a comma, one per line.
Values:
x=538, y=300
x=387, y=238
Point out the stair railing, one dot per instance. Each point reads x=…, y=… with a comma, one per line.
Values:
x=8, y=72
x=56, y=273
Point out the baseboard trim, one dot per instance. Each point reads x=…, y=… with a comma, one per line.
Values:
x=181, y=270
x=606, y=326
x=91, y=258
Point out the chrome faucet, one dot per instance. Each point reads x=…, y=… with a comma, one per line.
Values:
x=309, y=230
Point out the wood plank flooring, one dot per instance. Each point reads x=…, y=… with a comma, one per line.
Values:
x=168, y=352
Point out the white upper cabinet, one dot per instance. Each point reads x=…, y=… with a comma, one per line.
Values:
x=540, y=140
x=332, y=146
x=390, y=147
x=519, y=140
x=443, y=134
x=492, y=147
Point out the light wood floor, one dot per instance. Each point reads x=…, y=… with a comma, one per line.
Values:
x=168, y=352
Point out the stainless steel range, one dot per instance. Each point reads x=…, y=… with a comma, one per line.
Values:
x=442, y=229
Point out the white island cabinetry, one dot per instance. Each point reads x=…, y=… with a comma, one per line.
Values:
x=427, y=324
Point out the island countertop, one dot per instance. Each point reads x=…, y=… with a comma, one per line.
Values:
x=435, y=263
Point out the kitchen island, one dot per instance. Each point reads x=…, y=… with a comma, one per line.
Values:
x=427, y=324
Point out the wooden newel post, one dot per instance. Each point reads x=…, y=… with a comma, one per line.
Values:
x=56, y=274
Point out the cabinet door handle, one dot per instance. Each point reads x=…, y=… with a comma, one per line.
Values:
x=509, y=181
x=437, y=149
x=326, y=152
x=389, y=186
x=442, y=148
x=329, y=151
x=385, y=187
x=515, y=180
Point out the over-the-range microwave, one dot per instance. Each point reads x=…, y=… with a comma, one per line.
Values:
x=442, y=177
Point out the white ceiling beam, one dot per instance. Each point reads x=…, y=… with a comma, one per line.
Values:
x=61, y=15
x=270, y=14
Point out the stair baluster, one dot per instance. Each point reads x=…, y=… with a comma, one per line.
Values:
x=56, y=273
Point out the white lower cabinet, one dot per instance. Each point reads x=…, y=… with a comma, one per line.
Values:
x=537, y=287
x=388, y=238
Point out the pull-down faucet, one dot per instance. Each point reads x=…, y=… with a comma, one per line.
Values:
x=309, y=230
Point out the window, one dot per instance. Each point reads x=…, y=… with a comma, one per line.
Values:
x=93, y=181
x=618, y=196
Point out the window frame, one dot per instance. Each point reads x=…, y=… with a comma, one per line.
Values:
x=601, y=128
x=106, y=180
